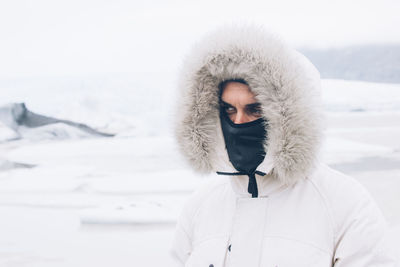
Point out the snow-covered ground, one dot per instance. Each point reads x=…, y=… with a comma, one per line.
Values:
x=113, y=201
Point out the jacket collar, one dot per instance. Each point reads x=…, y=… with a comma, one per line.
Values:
x=266, y=184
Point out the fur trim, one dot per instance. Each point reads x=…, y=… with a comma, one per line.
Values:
x=283, y=81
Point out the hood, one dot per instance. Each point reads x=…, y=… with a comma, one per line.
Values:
x=284, y=82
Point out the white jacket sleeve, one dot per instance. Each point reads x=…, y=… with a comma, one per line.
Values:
x=361, y=239
x=181, y=245
x=182, y=240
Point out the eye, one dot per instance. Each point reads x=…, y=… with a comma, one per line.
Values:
x=254, y=110
x=229, y=109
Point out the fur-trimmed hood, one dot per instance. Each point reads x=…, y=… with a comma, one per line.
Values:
x=285, y=83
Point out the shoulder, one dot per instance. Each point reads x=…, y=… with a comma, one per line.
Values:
x=210, y=189
x=346, y=199
x=336, y=186
x=184, y=230
x=207, y=194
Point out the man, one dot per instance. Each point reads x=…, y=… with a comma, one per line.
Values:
x=249, y=111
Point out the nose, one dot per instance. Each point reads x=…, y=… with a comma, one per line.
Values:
x=241, y=117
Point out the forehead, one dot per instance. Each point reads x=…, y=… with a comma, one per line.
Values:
x=237, y=93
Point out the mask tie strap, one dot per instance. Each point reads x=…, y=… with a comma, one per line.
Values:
x=252, y=187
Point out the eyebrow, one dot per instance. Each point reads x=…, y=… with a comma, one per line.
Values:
x=252, y=105
x=225, y=103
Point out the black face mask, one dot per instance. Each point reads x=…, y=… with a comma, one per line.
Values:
x=244, y=142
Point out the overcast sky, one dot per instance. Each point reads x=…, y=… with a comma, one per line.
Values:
x=79, y=37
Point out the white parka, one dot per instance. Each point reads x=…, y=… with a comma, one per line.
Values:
x=306, y=214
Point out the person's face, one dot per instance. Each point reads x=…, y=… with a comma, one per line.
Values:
x=239, y=103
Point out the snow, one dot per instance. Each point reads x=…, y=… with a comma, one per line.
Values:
x=114, y=201
x=6, y=133
x=360, y=96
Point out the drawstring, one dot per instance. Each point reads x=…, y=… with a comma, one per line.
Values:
x=252, y=187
